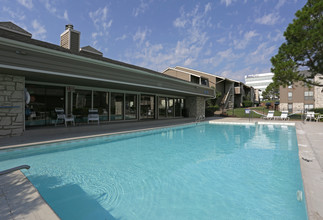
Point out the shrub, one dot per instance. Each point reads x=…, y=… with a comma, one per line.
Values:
x=318, y=110
x=247, y=103
x=209, y=111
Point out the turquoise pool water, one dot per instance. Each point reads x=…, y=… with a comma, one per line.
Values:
x=191, y=172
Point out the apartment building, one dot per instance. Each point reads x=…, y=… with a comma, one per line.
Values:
x=299, y=97
x=232, y=93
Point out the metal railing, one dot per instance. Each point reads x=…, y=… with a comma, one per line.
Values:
x=14, y=169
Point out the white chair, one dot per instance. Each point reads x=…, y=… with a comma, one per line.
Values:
x=270, y=115
x=93, y=116
x=310, y=116
x=284, y=115
x=318, y=118
x=61, y=116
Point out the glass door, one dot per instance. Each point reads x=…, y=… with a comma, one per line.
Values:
x=147, y=107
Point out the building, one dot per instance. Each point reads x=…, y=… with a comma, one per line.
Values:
x=299, y=97
x=231, y=93
x=37, y=76
x=259, y=81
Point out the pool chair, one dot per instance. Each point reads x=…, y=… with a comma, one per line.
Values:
x=62, y=117
x=284, y=115
x=310, y=116
x=93, y=116
x=319, y=117
x=270, y=115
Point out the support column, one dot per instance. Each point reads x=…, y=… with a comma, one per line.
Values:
x=12, y=105
x=195, y=106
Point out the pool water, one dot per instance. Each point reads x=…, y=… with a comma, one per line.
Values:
x=191, y=172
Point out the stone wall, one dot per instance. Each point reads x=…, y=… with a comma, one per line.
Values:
x=11, y=105
x=318, y=92
x=298, y=107
x=195, y=106
x=283, y=107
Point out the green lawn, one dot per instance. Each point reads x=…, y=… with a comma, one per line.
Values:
x=240, y=113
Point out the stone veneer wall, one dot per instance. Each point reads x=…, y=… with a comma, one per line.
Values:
x=298, y=107
x=318, y=92
x=195, y=106
x=12, y=105
x=283, y=107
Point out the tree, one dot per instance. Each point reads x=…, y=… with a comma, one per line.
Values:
x=303, y=49
x=271, y=92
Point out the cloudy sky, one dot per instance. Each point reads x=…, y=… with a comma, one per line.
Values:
x=230, y=38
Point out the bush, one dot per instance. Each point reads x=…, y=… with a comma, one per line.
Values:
x=247, y=103
x=209, y=111
x=318, y=110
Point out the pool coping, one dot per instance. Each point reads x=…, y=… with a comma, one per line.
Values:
x=312, y=173
x=19, y=199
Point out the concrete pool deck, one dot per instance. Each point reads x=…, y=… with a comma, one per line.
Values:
x=20, y=200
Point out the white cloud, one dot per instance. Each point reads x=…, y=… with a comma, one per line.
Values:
x=242, y=43
x=27, y=3
x=53, y=10
x=280, y=4
x=269, y=19
x=144, y=5
x=207, y=7
x=140, y=35
x=123, y=37
x=101, y=22
x=39, y=30
x=192, y=27
x=14, y=14
x=227, y=2
x=262, y=54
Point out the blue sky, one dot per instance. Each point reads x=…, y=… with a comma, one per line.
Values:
x=230, y=38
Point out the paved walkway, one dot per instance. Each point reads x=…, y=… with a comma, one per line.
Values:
x=20, y=200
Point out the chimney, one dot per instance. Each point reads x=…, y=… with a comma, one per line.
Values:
x=70, y=38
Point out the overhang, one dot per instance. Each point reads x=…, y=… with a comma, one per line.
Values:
x=42, y=64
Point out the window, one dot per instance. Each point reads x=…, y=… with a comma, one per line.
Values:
x=162, y=107
x=290, y=96
x=204, y=81
x=290, y=86
x=43, y=101
x=147, y=106
x=290, y=107
x=308, y=107
x=101, y=102
x=116, y=106
x=308, y=95
x=170, y=107
x=195, y=79
x=179, y=105
x=131, y=106
x=82, y=102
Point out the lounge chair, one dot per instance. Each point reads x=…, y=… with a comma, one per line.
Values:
x=318, y=118
x=284, y=115
x=61, y=116
x=93, y=116
x=270, y=115
x=309, y=116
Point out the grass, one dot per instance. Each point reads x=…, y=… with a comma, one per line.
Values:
x=240, y=113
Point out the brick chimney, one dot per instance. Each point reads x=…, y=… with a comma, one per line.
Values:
x=70, y=38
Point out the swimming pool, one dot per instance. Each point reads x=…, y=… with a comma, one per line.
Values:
x=202, y=171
